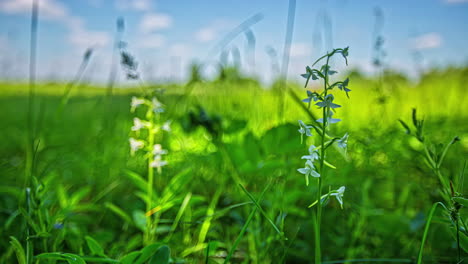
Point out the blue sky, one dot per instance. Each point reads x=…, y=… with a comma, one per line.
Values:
x=166, y=35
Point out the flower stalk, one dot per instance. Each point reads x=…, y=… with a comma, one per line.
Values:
x=153, y=154
x=324, y=100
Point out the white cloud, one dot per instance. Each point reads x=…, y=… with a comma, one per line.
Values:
x=426, y=41
x=138, y=5
x=154, y=21
x=180, y=50
x=151, y=41
x=211, y=32
x=84, y=38
x=205, y=34
x=53, y=10
x=300, y=50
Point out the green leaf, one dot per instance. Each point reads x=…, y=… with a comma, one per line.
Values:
x=95, y=247
x=130, y=258
x=139, y=219
x=461, y=200
x=119, y=212
x=19, y=250
x=405, y=126
x=70, y=258
x=463, y=241
x=161, y=256
x=261, y=209
x=426, y=229
x=147, y=252
x=137, y=180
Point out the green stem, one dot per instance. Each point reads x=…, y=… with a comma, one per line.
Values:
x=318, y=257
x=29, y=244
x=149, y=204
x=436, y=170
x=426, y=230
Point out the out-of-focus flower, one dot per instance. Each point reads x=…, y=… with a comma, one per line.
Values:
x=135, y=145
x=135, y=103
x=138, y=124
x=157, y=106
x=158, y=162
x=166, y=126
x=343, y=142
x=158, y=150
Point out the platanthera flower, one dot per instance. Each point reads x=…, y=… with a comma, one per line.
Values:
x=158, y=162
x=136, y=102
x=309, y=170
x=310, y=97
x=343, y=142
x=304, y=129
x=137, y=124
x=135, y=145
x=313, y=154
x=157, y=106
x=339, y=195
x=166, y=126
x=158, y=150
x=330, y=120
x=328, y=102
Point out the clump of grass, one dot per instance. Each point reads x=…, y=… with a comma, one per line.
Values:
x=316, y=160
x=450, y=189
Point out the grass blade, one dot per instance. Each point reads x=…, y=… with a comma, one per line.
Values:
x=261, y=210
x=426, y=229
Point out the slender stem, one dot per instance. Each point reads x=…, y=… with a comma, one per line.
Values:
x=29, y=244
x=318, y=257
x=458, y=239
x=149, y=203
x=30, y=132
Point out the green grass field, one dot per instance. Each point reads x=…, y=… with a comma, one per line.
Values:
x=226, y=136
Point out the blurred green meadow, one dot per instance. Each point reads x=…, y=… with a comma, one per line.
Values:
x=225, y=133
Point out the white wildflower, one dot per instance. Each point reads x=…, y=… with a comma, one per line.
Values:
x=138, y=124
x=158, y=150
x=343, y=142
x=309, y=170
x=304, y=129
x=157, y=106
x=339, y=195
x=158, y=162
x=167, y=126
x=313, y=154
x=135, y=145
x=136, y=102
